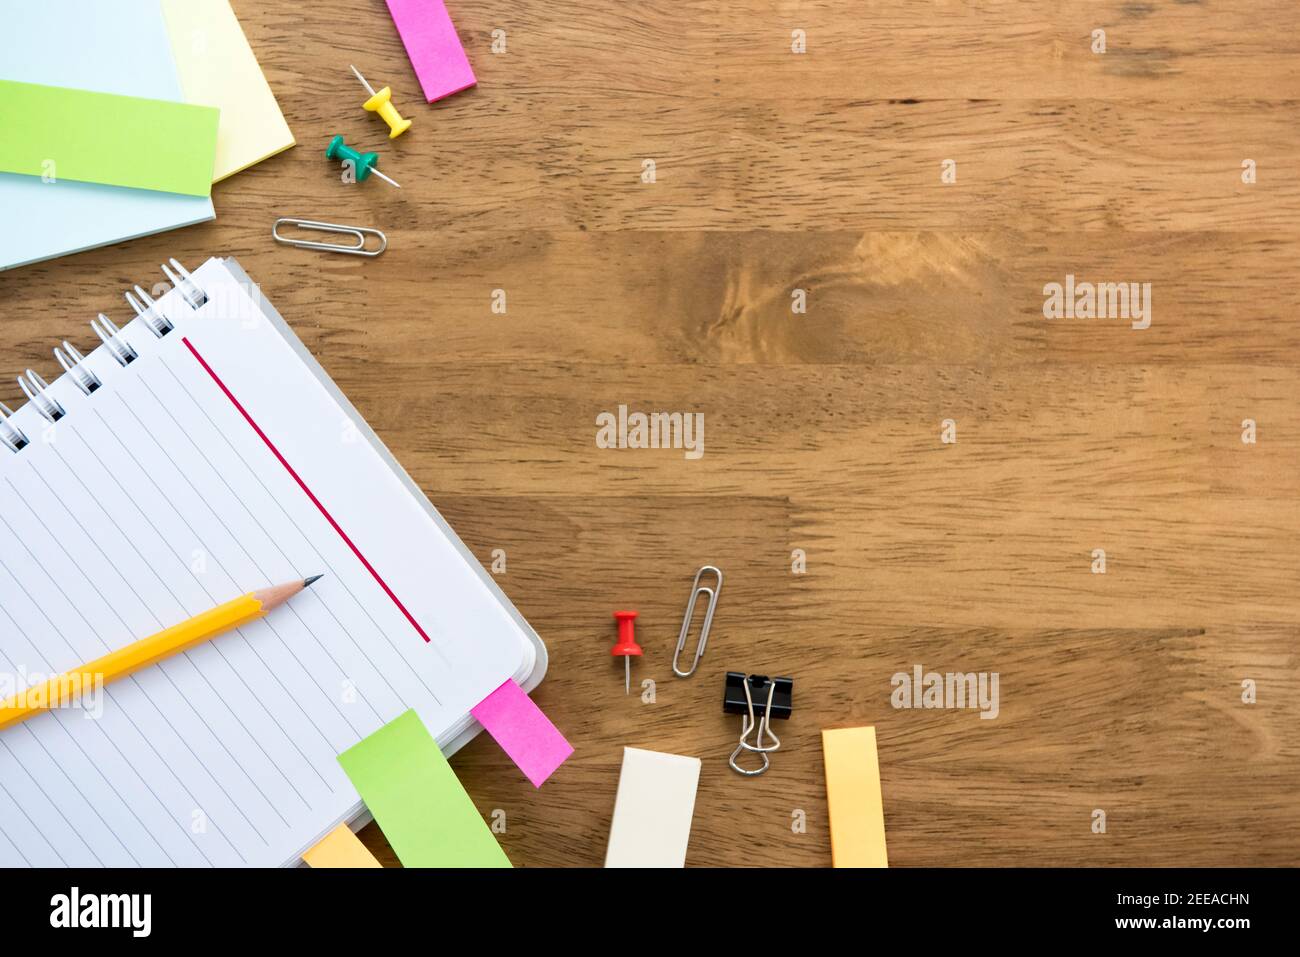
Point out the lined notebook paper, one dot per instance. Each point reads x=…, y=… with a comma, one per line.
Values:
x=221, y=460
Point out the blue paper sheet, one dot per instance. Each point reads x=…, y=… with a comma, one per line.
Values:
x=113, y=47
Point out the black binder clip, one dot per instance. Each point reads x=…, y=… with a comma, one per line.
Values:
x=775, y=697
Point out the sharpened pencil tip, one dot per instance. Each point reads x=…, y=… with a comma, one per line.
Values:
x=308, y=582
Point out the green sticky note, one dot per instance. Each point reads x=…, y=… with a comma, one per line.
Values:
x=60, y=133
x=415, y=796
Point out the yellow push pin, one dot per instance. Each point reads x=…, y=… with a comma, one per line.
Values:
x=382, y=103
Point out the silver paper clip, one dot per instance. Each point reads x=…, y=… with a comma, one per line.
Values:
x=697, y=590
x=359, y=232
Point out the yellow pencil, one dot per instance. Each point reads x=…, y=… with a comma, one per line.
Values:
x=147, y=651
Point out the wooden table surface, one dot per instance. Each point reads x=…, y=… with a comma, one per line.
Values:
x=821, y=171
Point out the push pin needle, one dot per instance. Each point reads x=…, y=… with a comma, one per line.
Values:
x=391, y=182
x=369, y=89
x=627, y=646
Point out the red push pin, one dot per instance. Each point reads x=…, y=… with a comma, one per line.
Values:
x=627, y=646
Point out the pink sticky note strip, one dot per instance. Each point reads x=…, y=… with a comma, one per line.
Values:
x=433, y=47
x=523, y=732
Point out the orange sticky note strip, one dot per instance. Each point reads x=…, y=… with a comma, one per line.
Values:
x=857, y=813
x=340, y=848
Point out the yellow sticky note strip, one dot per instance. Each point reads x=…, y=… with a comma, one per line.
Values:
x=857, y=813
x=340, y=848
x=217, y=68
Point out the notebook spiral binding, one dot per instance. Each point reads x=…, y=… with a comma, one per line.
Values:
x=73, y=363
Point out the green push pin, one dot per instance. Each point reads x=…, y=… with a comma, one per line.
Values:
x=363, y=163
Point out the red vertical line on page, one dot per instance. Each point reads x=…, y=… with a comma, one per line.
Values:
x=303, y=485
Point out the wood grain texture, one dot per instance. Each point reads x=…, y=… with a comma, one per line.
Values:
x=821, y=172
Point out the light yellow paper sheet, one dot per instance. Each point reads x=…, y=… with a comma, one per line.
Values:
x=217, y=68
x=340, y=848
x=857, y=813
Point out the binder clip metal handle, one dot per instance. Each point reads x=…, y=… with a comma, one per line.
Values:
x=696, y=591
x=776, y=696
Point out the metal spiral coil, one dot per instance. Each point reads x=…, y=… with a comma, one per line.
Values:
x=75, y=366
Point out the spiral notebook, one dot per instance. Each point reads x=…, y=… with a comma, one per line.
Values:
x=199, y=453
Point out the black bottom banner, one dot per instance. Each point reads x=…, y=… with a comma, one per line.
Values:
x=947, y=907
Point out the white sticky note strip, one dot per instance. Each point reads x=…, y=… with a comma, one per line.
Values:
x=653, y=809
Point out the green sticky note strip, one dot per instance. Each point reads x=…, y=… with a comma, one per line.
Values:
x=415, y=796
x=62, y=133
